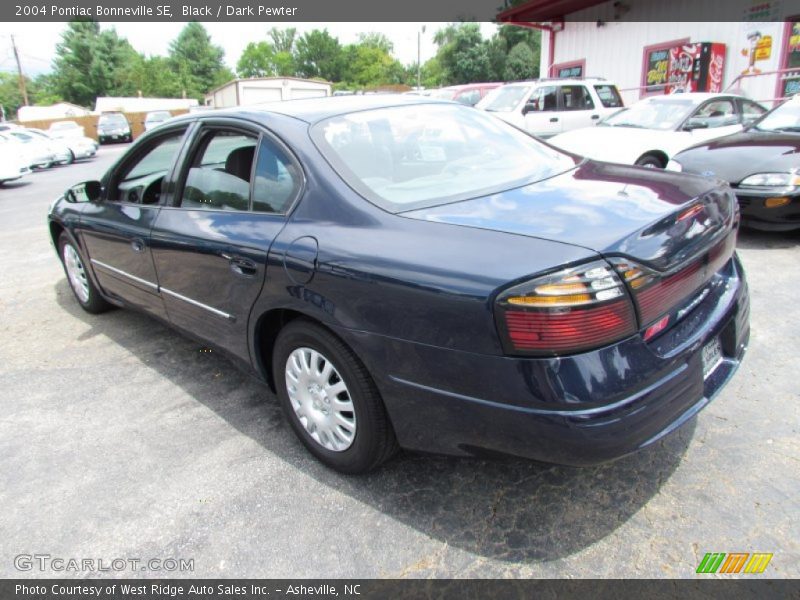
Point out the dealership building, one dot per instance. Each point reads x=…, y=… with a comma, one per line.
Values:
x=652, y=47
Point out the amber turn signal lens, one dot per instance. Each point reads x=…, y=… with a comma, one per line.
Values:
x=776, y=202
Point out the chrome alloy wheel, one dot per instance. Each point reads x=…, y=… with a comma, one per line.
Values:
x=76, y=273
x=320, y=399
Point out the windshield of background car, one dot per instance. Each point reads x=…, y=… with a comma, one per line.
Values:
x=786, y=117
x=443, y=94
x=117, y=120
x=662, y=114
x=408, y=157
x=504, y=99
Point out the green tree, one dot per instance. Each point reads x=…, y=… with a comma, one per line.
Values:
x=521, y=63
x=88, y=61
x=463, y=54
x=319, y=54
x=10, y=96
x=260, y=59
x=197, y=64
x=282, y=39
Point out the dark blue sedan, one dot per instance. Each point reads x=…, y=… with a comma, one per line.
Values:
x=410, y=273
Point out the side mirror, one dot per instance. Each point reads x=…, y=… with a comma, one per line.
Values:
x=693, y=124
x=88, y=191
x=529, y=107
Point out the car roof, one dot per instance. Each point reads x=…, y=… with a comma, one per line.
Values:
x=466, y=86
x=312, y=110
x=693, y=96
x=560, y=81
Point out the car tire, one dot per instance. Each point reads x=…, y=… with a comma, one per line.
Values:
x=80, y=283
x=348, y=430
x=650, y=161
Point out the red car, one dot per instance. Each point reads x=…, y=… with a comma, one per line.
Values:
x=469, y=93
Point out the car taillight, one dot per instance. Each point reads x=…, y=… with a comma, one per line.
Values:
x=657, y=293
x=569, y=311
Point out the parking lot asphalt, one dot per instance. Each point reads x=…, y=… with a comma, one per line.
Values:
x=121, y=439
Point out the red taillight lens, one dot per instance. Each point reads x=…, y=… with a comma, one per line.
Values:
x=656, y=294
x=569, y=311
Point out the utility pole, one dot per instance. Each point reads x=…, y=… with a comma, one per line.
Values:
x=419, y=58
x=22, y=88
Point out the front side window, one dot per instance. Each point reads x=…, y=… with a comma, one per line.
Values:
x=220, y=172
x=576, y=97
x=139, y=179
x=719, y=113
x=543, y=99
x=408, y=157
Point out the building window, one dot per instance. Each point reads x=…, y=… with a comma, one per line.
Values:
x=575, y=68
x=655, y=64
x=789, y=83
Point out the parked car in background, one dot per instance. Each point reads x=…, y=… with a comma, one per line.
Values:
x=37, y=152
x=61, y=153
x=78, y=147
x=404, y=271
x=651, y=131
x=762, y=164
x=155, y=118
x=469, y=94
x=547, y=107
x=113, y=127
x=65, y=129
x=13, y=164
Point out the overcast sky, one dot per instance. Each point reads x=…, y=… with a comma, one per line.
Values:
x=37, y=41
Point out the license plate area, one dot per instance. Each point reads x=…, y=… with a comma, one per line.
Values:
x=712, y=356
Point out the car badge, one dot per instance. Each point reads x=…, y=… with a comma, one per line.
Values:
x=708, y=174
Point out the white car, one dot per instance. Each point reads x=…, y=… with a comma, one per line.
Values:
x=38, y=152
x=65, y=129
x=547, y=107
x=651, y=131
x=13, y=164
x=69, y=148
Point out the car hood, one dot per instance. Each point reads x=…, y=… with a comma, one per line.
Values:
x=735, y=157
x=611, y=209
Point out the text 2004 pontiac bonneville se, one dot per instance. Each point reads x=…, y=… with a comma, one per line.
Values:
x=407, y=272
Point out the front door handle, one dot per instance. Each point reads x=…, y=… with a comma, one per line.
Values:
x=241, y=265
x=554, y=120
x=595, y=117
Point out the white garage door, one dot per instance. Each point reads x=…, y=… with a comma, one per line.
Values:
x=297, y=93
x=254, y=95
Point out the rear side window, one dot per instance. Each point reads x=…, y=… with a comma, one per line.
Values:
x=220, y=172
x=277, y=179
x=609, y=96
x=576, y=97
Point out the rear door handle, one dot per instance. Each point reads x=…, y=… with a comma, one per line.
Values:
x=241, y=265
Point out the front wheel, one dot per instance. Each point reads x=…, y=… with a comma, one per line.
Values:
x=330, y=399
x=79, y=281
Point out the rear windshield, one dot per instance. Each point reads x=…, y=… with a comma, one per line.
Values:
x=609, y=96
x=408, y=157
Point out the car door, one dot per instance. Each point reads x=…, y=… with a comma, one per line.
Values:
x=541, y=114
x=577, y=107
x=210, y=246
x=116, y=229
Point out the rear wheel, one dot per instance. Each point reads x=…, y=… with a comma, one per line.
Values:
x=650, y=161
x=79, y=281
x=330, y=399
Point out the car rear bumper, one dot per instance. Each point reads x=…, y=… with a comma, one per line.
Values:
x=756, y=215
x=576, y=410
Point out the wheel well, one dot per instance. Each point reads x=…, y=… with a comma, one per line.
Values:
x=55, y=232
x=267, y=329
x=661, y=156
